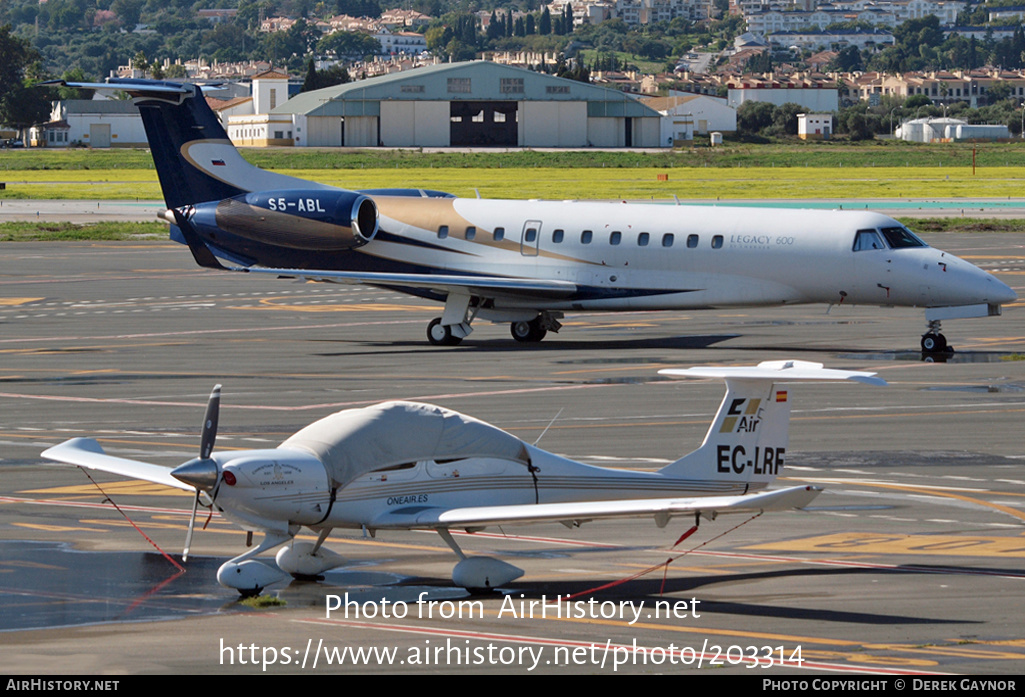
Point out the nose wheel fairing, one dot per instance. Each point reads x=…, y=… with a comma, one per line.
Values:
x=933, y=341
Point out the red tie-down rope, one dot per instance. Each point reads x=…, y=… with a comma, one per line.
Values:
x=168, y=557
x=664, y=565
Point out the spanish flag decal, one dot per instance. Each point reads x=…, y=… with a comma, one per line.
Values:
x=781, y=396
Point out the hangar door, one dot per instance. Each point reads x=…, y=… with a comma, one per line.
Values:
x=483, y=124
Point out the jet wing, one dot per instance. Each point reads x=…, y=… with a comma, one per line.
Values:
x=661, y=509
x=86, y=452
x=443, y=283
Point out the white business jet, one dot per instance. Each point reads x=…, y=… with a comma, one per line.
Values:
x=411, y=466
x=527, y=263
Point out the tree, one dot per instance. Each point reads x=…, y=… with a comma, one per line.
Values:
x=848, y=60
x=350, y=44
x=544, y=25
x=753, y=116
x=784, y=118
x=21, y=104
x=319, y=79
x=858, y=127
x=917, y=100
x=128, y=12
x=999, y=91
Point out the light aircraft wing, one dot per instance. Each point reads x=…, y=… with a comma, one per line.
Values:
x=443, y=283
x=661, y=509
x=86, y=452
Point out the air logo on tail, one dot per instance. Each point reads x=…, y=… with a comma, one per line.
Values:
x=741, y=419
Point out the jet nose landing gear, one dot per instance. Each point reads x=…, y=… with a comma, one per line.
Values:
x=934, y=345
x=934, y=342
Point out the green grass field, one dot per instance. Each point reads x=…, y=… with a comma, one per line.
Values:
x=834, y=170
x=752, y=183
x=837, y=153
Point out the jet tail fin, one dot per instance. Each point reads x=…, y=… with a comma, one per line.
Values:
x=746, y=443
x=195, y=160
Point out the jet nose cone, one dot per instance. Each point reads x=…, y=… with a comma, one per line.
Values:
x=1000, y=293
x=201, y=474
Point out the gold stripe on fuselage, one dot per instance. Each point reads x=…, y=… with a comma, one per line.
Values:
x=430, y=214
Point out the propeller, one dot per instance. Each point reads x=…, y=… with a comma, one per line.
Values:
x=202, y=472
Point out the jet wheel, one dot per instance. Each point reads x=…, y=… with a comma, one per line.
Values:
x=528, y=332
x=440, y=335
x=934, y=343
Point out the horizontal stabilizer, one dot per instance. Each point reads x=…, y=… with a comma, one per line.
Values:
x=776, y=371
x=86, y=452
x=146, y=89
x=661, y=509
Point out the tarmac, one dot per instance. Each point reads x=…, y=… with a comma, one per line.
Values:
x=911, y=561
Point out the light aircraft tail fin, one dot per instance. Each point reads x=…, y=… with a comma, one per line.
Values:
x=194, y=158
x=747, y=441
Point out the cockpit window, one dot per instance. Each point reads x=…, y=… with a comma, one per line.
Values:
x=867, y=239
x=901, y=237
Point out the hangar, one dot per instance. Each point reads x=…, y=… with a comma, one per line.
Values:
x=473, y=104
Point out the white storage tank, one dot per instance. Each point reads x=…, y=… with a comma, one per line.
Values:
x=976, y=131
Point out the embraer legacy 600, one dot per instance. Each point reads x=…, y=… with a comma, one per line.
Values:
x=529, y=262
x=449, y=471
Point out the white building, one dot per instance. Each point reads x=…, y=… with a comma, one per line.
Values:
x=98, y=123
x=816, y=40
x=642, y=12
x=687, y=115
x=813, y=98
x=814, y=126
x=398, y=42
x=471, y=104
x=252, y=123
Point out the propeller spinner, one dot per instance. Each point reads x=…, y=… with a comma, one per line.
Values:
x=202, y=472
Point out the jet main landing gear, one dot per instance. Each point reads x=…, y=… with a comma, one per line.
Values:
x=528, y=332
x=536, y=329
x=439, y=334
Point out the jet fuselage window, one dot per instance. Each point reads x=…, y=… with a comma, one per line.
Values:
x=901, y=237
x=867, y=239
x=499, y=234
x=557, y=236
x=717, y=242
x=616, y=237
x=668, y=239
x=471, y=232
x=642, y=239
x=692, y=241
x=530, y=234
x=585, y=237
x=443, y=232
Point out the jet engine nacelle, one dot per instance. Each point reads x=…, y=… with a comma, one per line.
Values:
x=310, y=220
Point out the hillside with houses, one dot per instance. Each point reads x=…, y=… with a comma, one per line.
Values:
x=867, y=63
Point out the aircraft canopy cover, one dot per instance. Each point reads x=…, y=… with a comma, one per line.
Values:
x=356, y=441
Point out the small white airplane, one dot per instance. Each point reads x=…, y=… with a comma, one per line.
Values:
x=527, y=263
x=447, y=471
